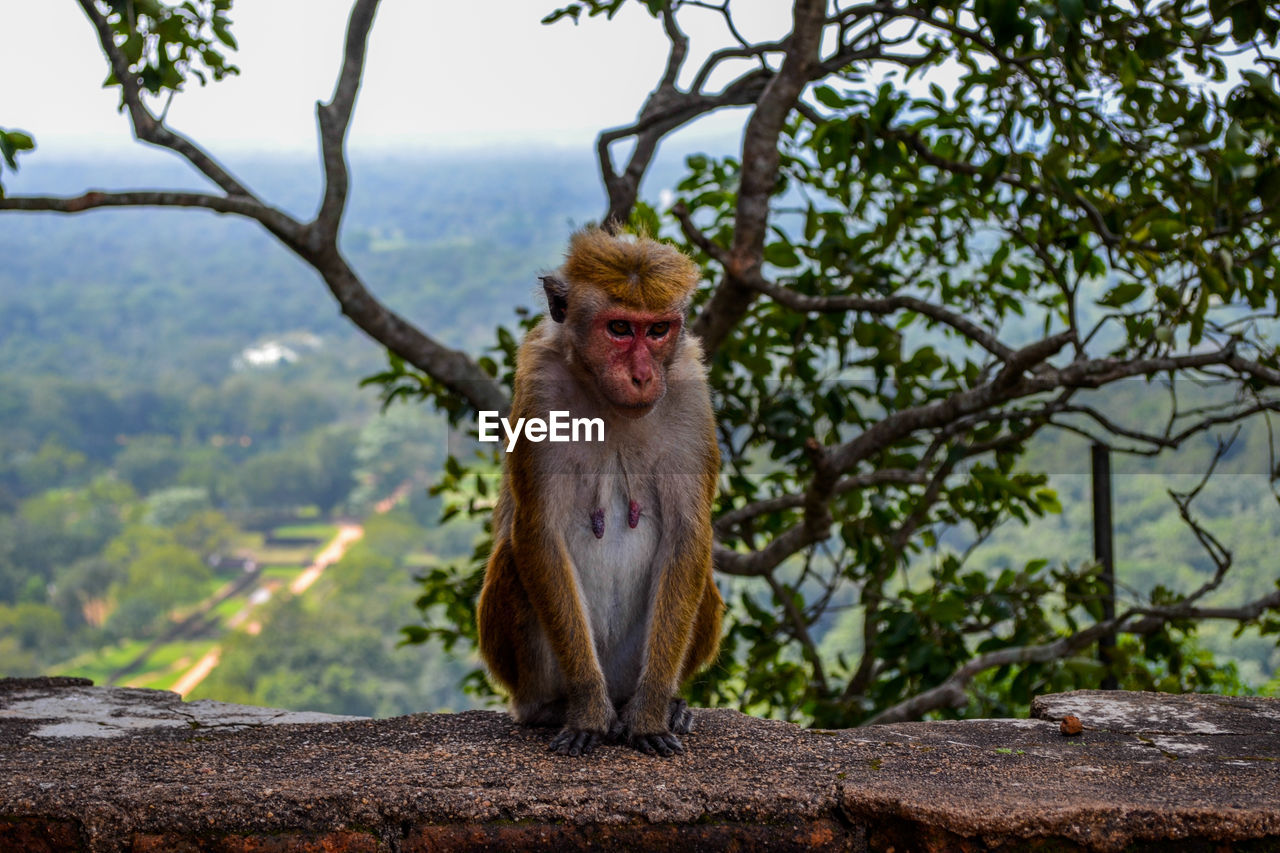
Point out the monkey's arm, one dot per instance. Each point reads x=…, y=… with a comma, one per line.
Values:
x=681, y=584
x=542, y=562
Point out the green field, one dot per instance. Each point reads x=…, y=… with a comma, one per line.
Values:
x=99, y=665
x=319, y=531
x=168, y=662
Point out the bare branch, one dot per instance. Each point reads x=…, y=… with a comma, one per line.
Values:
x=1244, y=613
x=453, y=369
x=1168, y=440
x=679, y=47
x=1103, y=371
x=335, y=117
x=1269, y=375
x=886, y=476
x=760, y=158
x=664, y=111
x=951, y=693
x=275, y=220
x=315, y=244
x=886, y=305
x=1007, y=385
x=755, y=51
x=760, y=563
x=696, y=236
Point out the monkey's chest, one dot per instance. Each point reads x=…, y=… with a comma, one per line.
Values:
x=613, y=540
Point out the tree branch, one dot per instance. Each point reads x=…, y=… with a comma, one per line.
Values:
x=240, y=205
x=664, y=111
x=951, y=693
x=886, y=305
x=888, y=476
x=758, y=178
x=455, y=370
x=334, y=118
x=1008, y=384
x=316, y=243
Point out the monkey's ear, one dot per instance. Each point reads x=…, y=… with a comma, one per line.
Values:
x=557, y=297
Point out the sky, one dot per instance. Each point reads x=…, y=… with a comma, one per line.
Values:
x=440, y=75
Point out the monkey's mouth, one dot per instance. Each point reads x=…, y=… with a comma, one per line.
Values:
x=635, y=410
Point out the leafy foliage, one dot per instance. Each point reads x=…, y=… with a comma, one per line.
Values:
x=968, y=229
x=165, y=43
x=951, y=229
x=12, y=142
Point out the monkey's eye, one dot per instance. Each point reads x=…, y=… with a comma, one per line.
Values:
x=619, y=328
x=658, y=330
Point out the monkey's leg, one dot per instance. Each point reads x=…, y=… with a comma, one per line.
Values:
x=647, y=717
x=680, y=718
x=547, y=577
x=499, y=633
x=706, y=641
x=706, y=631
x=512, y=646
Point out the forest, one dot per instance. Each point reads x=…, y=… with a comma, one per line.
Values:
x=168, y=414
x=953, y=250
x=141, y=452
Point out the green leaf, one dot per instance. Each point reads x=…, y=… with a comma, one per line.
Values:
x=829, y=97
x=11, y=143
x=1122, y=294
x=781, y=255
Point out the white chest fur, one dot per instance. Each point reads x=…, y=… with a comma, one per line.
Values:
x=616, y=570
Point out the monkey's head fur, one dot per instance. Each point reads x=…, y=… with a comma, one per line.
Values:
x=635, y=272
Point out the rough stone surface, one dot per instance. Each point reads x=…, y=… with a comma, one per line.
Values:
x=1148, y=772
x=73, y=707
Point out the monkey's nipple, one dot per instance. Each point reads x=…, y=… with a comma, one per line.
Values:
x=597, y=523
x=633, y=514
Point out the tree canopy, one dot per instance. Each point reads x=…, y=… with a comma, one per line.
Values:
x=948, y=227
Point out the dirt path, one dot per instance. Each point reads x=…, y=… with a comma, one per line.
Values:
x=348, y=534
x=197, y=673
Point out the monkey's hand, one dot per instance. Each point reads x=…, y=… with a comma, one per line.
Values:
x=658, y=743
x=573, y=741
x=586, y=728
x=650, y=732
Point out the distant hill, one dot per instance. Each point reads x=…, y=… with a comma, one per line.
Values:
x=452, y=243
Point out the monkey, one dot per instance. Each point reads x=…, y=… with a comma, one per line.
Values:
x=598, y=599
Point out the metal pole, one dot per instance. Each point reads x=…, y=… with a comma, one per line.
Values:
x=1104, y=549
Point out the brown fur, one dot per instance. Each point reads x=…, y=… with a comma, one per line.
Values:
x=597, y=633
x=640, y=273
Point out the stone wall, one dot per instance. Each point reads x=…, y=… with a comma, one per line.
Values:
x=108, y=769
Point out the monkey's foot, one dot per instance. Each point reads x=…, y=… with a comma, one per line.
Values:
x=663, y=743
x=617, y=732
x=680, y=717
x=575, y=742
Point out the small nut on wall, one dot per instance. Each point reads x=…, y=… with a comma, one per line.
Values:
x=1071, y=725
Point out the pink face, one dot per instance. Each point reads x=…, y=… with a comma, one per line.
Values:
x=628, y=351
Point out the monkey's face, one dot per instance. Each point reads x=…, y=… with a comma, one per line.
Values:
x=628, y=352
